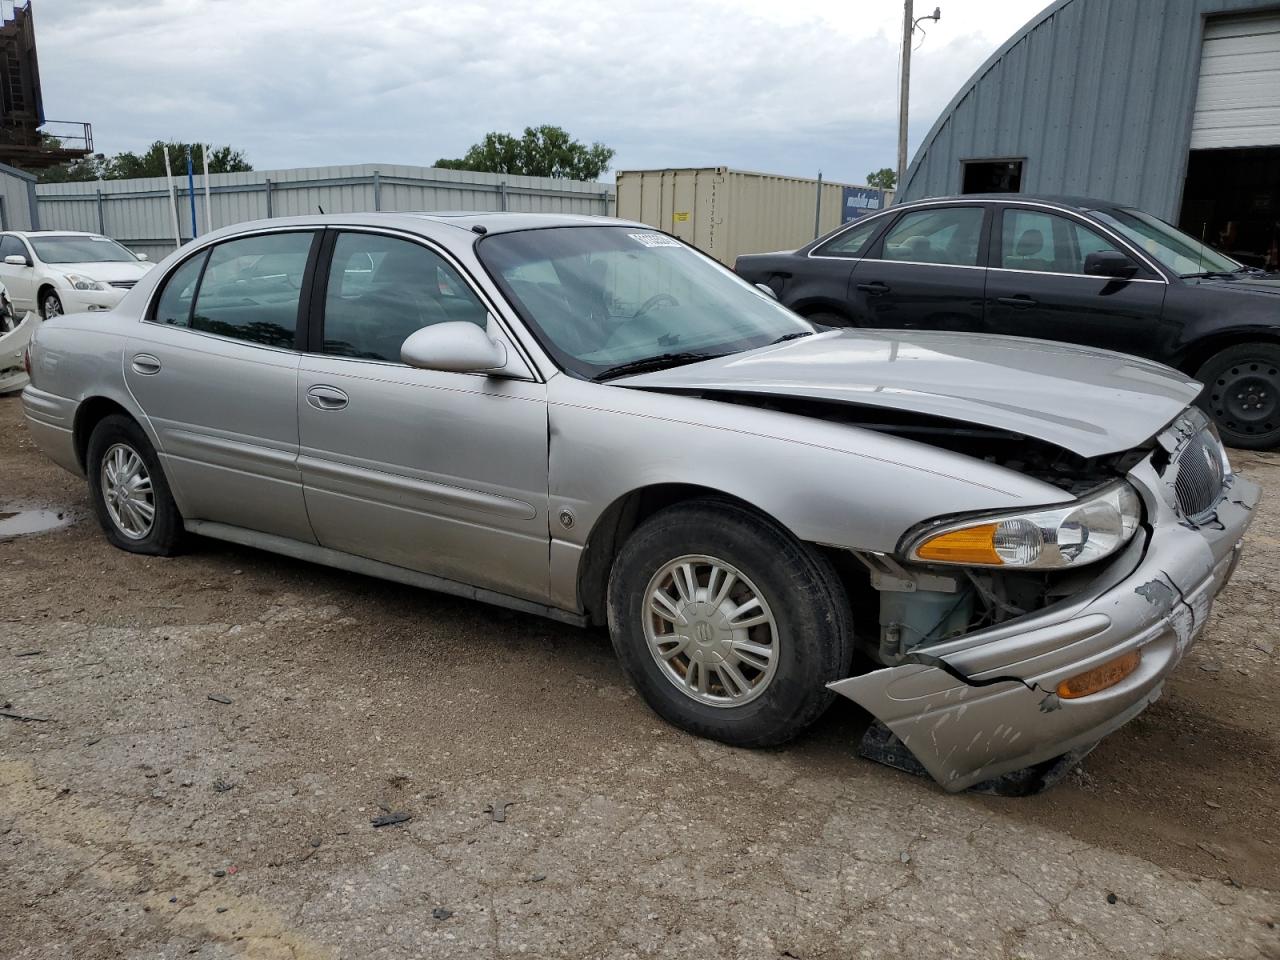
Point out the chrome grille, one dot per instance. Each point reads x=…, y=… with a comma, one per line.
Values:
x=123, y=284
x=1198, y=482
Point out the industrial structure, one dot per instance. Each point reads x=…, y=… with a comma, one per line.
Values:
x=1172, y=107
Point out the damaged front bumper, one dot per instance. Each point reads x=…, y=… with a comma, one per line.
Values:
x=977, y=707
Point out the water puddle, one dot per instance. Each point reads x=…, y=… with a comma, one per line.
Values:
x=18, y=521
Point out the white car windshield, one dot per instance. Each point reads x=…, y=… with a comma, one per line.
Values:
x=605, y=301
x=1181, y=253
x=80, y=250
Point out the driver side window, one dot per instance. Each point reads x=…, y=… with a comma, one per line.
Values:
x=381, y=289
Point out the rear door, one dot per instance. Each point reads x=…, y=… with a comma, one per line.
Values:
x=215, y=369
x=926, y=272
x=1037, y=286
x=816, y=284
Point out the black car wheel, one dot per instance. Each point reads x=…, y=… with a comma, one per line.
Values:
x=129, y=491
x=727, y=625
x=1242, y=394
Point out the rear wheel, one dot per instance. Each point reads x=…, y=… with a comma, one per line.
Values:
x=727, y=625
x=1242, y=394
x=130, y=494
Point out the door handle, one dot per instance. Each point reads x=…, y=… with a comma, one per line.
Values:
x=327, y=398
x=875, y=288
x=146, y=364
x=1018, y=301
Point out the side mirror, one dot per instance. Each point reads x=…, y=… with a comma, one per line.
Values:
x=456, y=346
x=767, y=289
x=142, y=256
x=1109, y=263
x=17, y=260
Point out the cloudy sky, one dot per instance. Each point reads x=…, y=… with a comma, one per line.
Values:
x=784, y=86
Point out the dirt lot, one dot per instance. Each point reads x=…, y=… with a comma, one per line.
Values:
x=224, y=726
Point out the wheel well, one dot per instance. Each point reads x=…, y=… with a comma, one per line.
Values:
x=1199, y=353
x=45, y=288
x=810, y=307
x=616, y=523
x=90, y=413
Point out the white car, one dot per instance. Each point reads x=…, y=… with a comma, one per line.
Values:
x=64, y=271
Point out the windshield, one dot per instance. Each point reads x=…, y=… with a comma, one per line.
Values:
x=80, y=250
x=1183, y=254
x=599, y=298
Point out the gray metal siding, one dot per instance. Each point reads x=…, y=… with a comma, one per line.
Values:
x=136, y=212
x=1096, y=95
x=15, y=187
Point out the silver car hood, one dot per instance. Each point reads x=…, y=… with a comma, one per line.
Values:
x=1091, y=402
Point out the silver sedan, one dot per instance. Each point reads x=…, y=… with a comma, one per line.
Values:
x=999, y=547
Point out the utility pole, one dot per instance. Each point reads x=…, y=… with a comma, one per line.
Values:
x=904, y=90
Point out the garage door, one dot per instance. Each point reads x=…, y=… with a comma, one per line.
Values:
x=1238, y=103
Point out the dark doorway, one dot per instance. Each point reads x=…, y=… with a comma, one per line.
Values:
x=1232, y=201
x=992, y=176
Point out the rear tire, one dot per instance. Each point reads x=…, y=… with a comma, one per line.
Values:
x=131, y=496
x=753, y=685
x=1242, y=394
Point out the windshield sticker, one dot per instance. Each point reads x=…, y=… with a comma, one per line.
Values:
x=655, y=239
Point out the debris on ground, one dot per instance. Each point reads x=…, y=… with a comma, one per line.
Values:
x=442, y=913
x=219, y=698
x=389, y=819
x=498, y=810
x=5, y=711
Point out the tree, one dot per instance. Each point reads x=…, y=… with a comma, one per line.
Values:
x=882, y=179
x=149, y=163
x=544, y=151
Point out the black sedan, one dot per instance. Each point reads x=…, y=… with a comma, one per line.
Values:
x=1075, y=270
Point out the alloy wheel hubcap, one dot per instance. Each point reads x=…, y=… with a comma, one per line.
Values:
x=1246, y=397
x=126, y=490
x=710, y=631
x=52, y=307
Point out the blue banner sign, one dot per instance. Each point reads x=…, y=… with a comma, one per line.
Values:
x=857, y=202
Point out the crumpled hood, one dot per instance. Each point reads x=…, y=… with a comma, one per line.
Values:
x=1091, y=402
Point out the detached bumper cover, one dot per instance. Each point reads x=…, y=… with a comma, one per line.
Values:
x=985, y=704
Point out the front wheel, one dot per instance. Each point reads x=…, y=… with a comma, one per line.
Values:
x=727, y=625
x=50, y=305
x=130, y=493
x=1242, y=394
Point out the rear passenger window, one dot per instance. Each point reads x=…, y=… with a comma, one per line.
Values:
x=174, y=306
x=947, y=235
x=251, y=288
x=851, y=243
x=381, y=289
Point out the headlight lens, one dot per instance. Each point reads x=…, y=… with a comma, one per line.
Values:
x=84, y=283
x=1067, y=536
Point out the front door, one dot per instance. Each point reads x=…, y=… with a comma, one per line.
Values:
x=215, y=370
x=1037, y=287
x=925, y=273
x=19, y=280
x=443, y=473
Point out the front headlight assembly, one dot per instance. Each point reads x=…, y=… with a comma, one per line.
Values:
x=1053, y=538
x=84, y=283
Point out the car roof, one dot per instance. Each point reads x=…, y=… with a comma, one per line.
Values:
x=462, y=220
x=1078, y=204
x=52, y=233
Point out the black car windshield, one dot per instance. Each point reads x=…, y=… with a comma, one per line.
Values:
x=1181, y=253
x=80, y=250
x=603, y=298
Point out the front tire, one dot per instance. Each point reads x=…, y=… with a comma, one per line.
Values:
x=131, y=496
x=829, y=321
x=50, y=305
x=727, y=625
x=1242, y=394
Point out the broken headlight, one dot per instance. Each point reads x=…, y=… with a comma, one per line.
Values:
x=1070, y=535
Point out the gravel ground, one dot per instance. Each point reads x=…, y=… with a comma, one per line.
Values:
x=224, y=726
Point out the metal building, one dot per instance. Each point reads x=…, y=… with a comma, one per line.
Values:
x=18, y=210
x=1171, y=106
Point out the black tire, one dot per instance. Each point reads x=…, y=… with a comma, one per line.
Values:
x=50, y=305
x=1242, y=394
x=831, y=321
x=806, y=598
x=165, y=533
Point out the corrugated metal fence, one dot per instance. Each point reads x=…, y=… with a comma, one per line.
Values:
x=137, y=212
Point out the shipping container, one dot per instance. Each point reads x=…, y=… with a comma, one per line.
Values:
x=726, y=213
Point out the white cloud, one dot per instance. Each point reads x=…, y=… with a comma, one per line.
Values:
x=785, y=87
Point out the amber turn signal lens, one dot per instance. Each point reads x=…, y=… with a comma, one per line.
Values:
x=969, y=545
x=1099, y=678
